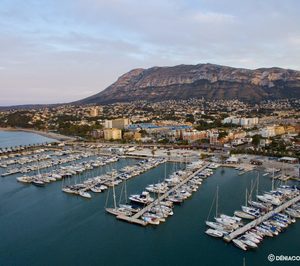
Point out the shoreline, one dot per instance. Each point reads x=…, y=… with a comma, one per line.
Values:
x=46, y=134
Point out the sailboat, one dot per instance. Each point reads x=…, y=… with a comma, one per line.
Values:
x=84, y=194
x=125, y=206
x=37, y=180
x=116, y=211
x=216, y=229
x=245, y=214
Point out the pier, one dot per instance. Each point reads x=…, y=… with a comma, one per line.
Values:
x=136, y=217
x=261, y=219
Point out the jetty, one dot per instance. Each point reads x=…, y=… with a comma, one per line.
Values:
x=136, y=217
x=261, y=219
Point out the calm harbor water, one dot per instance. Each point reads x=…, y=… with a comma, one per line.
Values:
x=44, y=226
x=16, y=138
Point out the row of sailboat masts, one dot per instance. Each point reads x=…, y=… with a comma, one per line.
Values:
x=123, y=189
x=216, y=198
x=256, y=183
x=253, y=185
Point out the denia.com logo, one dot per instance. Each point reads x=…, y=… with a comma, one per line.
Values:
x=272, y=257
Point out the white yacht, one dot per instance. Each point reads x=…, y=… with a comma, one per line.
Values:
x=247, y=242
x=151, y=220
x=24, y=179
x=143, y=198
x=214, y=233
x=244, y=215
x=84, y=194
x=240, y=244
x=119, y=211
x=232, y=218
x=269, y=199
x=96, y=189
x=129, y=208
x=227, y=222
x=252, y=211
x=252, y=238
x=218, y=226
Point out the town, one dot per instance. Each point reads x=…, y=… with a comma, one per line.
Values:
x=270, y=128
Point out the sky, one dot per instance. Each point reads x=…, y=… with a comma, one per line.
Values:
x=54, y=51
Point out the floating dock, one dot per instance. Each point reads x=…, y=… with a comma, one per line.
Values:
x=136, y=217
x=261, y=219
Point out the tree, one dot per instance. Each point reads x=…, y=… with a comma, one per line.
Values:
x=222, y=134
x=256, y=140
x=190, y=118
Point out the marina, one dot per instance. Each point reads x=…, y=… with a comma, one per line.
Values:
x=66, y=220
x=50, y=212
x=99, y=184
x=136, y=217
x=261, y=219
x=272, y=214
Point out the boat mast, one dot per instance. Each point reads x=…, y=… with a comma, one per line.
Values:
x=114, y=193
x=251, y=190
x=217, y=200
x=257, y=184
x=273, y=179
x=246, y=197
x=107, y=197
x=125, y=184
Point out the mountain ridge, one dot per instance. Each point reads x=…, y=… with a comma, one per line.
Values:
x=202, y=80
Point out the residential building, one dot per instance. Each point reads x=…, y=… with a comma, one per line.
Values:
x=97, y=134
x=132, y=136
x=112, y=134
x=120, y=123
x=213, y=138
x=279, y=130
x=193, y=135
x=95, y=111
x=267, y=132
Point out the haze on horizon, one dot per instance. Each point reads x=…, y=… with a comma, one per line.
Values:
x=60, y=51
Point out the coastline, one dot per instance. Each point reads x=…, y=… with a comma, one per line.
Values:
x=47, y=134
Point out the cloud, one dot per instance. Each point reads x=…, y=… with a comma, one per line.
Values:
x=60, y=51
x=211, y=17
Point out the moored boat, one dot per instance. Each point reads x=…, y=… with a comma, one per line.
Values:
x=239, y=244
x=214, y=233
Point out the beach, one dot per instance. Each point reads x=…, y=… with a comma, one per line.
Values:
x=47, y=134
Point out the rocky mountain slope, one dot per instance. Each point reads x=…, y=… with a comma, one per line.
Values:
x=202, y=80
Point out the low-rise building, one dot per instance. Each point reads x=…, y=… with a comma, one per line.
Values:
x=279, y=130
x=137, y=136
x=267, y=132
x=193, y=135
x=213, y=138
x=97, y=134
x=242, y=121
x=95, y=111
x=112, y=134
